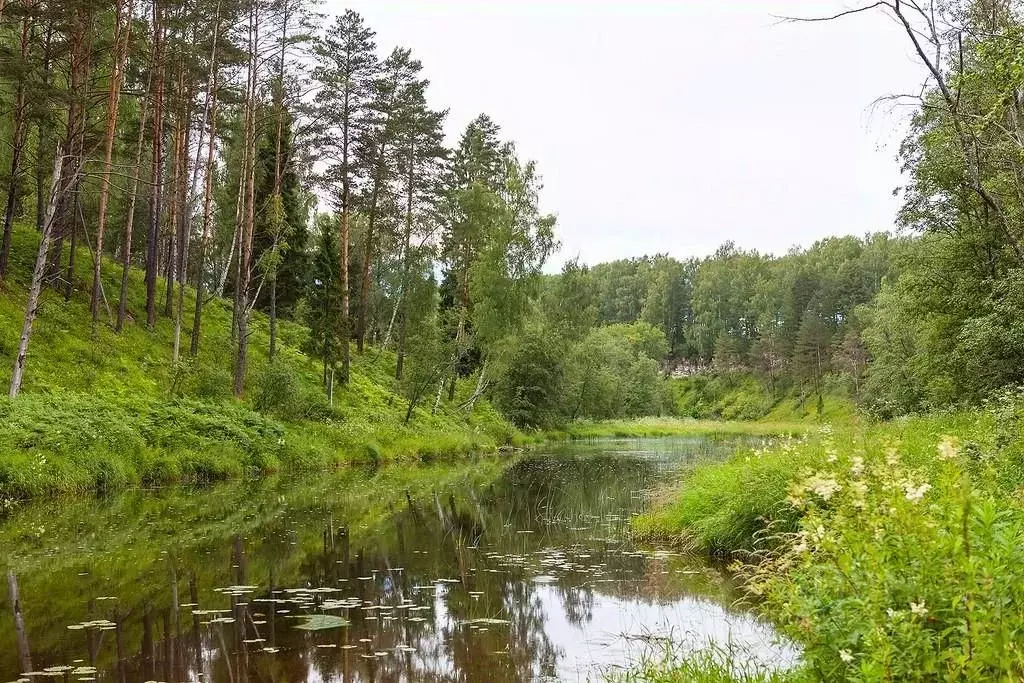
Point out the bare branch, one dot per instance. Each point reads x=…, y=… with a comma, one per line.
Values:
x=858, y=10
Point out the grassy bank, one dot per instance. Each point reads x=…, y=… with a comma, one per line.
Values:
x=655, y=427
x=889, y=551
x=742, y=396
x=111, y=411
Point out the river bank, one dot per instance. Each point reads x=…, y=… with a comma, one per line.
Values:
x=886, y=550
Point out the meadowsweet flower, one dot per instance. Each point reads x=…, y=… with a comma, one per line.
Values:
x=845, y=656
x=859, y=489
x=918, y=608
x=916, y=493
x=822, y=486
x=858, y=466
x=892, y=457
x=948, y=448
x=891, y=613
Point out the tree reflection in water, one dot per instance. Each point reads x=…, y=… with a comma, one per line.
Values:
x=494, y=571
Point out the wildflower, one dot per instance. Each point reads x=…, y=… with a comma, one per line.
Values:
x=822, y=486
x=859, y=490
x=916, y=493
x=948, y=449
x=858, y=466
x=892, y=457
x=891, y=613
x=918, y=608
x=832, y=455
x=845, y=656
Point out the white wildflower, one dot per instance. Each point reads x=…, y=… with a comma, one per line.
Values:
x=916, y=493
x=858, y=466
x=892, y=457
x=822, y=486
x=948, y=448
x=845, y=656
x=918, y=608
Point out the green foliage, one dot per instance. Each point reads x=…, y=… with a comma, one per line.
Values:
x=889, y=551
x=115, y=412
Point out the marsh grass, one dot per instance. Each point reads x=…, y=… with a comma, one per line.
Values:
x=712, y=663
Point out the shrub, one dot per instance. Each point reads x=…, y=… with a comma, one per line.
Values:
x=277, y=390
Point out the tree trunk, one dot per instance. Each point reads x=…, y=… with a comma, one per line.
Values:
x=406, y=263
x=245, y=253
x=32, y=304
x=122, y=34
x=368, y=254
x=17, y=146
x=204, y=245
x=126, y=247
x=155, y=206
x=69, y=278
x=43, y=129
x=184, y=220
x=273, y=318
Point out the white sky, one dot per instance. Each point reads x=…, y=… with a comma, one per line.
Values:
x=670, y=127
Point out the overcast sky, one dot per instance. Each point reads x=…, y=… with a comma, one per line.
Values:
x=670, y=127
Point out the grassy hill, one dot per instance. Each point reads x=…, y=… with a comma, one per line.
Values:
x=113, y=411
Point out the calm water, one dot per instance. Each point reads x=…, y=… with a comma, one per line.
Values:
x=515, y=570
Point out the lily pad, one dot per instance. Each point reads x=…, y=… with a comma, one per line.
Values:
x=321, y=622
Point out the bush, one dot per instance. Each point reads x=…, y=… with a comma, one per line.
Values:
x=277, y=390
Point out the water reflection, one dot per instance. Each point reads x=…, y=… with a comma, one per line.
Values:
x=494, y=571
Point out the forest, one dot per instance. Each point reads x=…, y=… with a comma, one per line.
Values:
x=237, y=239
x=233, y=150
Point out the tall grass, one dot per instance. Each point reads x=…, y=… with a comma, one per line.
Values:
x=710, y=664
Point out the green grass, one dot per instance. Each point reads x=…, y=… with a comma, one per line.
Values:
x=742, y=396
x=111, y=411
x=887, y=550
x=709, y=665
x=654, y=427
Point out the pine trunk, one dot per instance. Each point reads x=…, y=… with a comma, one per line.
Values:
x=122, y=35
x=155, y=205
x=126, y=247
x=245, y=248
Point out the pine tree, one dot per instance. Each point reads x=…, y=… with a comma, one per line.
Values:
x=346, y=65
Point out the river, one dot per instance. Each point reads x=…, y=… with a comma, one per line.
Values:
x=516, y=569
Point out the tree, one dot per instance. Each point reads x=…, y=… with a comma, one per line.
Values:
x=396, y=88
x=346, y=65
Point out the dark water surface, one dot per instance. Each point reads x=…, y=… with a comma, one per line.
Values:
x=498, y=570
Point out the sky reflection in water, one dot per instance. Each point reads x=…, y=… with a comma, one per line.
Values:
x=489, y=571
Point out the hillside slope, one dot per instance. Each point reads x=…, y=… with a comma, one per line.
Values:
x=110, y=412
